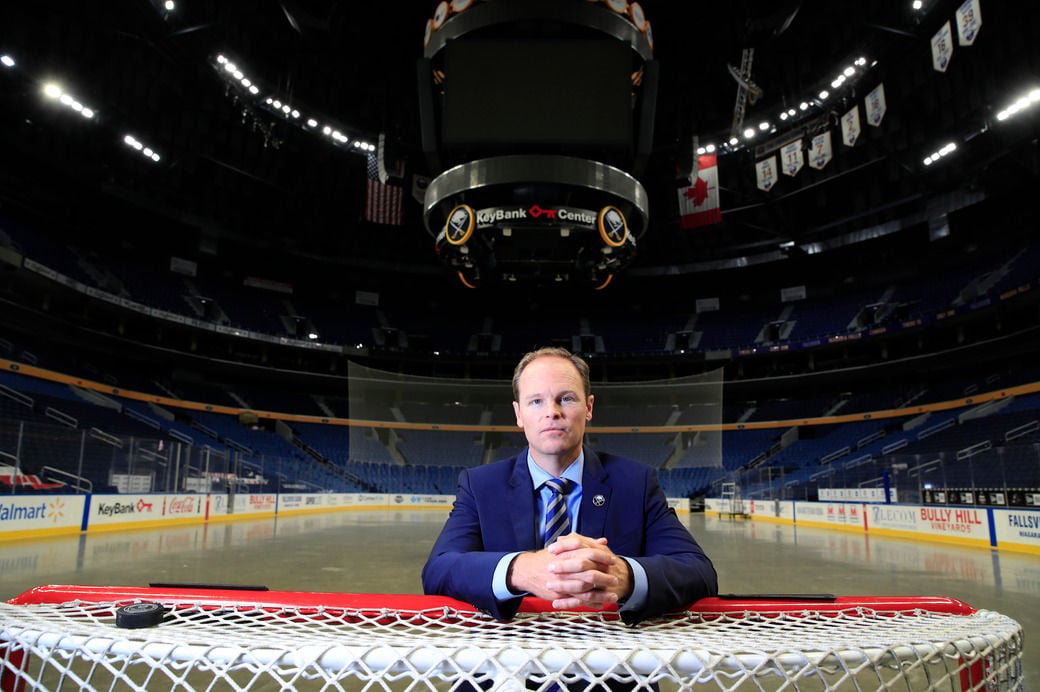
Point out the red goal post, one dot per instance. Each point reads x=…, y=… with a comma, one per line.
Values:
x=174, y=638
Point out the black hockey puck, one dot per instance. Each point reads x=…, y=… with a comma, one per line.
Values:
x=138, y=615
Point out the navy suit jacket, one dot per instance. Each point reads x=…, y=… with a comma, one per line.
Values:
x=494, y=514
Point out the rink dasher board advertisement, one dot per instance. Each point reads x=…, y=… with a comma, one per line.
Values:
x=289, y=503
x=41, y=515
x=144, y=509
x=1009, y=529
x=25, y=516
x=1017, y=528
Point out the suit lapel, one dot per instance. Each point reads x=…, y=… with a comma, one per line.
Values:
x=520, y=504
x=595, y=496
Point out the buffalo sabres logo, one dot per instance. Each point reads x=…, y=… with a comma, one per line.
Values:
x=599, y=500
x=612, y=226
x=459, y=226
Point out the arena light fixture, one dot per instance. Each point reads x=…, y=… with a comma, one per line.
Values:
x=55, y=92
x=1020, y=104
x=843, y=79
x=140, y=147
x=943, y=152
x=6, y=60
x=279, y=106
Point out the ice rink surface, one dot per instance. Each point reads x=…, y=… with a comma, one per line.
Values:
x=383, y=551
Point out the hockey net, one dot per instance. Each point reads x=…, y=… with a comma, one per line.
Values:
x=72, y=637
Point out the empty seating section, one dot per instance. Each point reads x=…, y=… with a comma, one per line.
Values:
x=607, y=414
x=331, y=325
x=739, y=323
x=429, y=461
x=726, y=329
x=653, y=449
x=46, y=424
x=441, y=480
x=331, y=441
x=156, y=287
x=688, y=482
x=367, y=447
x=261, y=400
x=823, y=319
x=638, y=333
x=441, y=447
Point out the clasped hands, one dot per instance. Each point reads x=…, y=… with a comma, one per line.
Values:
x=574, y=571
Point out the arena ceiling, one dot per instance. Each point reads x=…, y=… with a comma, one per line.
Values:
x=233, y=169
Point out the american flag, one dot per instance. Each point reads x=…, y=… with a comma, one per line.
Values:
x=383, y=201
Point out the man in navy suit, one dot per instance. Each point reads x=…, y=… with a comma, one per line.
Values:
x=626, y=546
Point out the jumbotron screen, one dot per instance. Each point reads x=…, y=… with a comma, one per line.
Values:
x=540, y=91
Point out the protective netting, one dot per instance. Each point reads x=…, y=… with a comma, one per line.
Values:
x=468, y=420
x=222, y=645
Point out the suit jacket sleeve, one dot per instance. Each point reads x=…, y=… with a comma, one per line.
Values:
x=678, y=571
x=461, y=565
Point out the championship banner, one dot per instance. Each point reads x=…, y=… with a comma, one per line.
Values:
x=942, y=48
x=765, y=173
x=821, y=152
x=699, y=203
x=969, y=21
x=875, y=105
x=850, y=128
x=792, y=157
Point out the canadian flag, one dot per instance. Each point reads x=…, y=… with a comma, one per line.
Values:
x=699, y=203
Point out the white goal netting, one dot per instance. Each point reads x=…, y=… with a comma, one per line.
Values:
x=344, y=642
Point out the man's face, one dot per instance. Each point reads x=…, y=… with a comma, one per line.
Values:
x=552, y=409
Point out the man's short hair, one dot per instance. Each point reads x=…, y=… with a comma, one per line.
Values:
x=579, y=363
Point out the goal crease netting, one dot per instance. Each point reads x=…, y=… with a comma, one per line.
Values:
x=67, y=637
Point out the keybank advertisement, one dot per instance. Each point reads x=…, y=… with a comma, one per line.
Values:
x=58, y=513
x=128, y=509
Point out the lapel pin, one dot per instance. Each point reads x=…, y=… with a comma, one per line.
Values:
x=599, y=500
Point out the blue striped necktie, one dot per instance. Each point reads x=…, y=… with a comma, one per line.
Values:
x=557, y=520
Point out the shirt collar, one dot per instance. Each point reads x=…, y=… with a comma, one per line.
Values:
x=572, y=472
